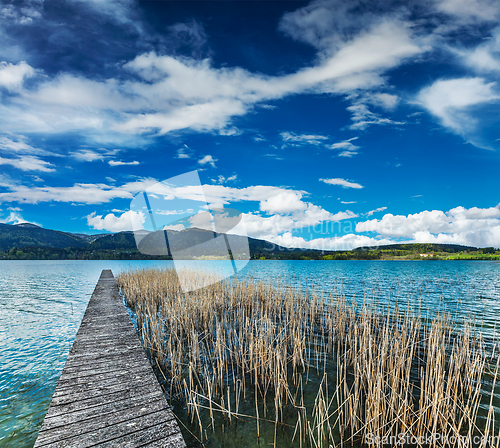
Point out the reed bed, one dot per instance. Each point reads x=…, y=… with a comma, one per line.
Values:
x=310, y=370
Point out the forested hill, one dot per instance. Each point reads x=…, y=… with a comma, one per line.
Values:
x=29, y=241
x=26, y=235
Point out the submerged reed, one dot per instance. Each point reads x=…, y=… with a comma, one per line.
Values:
x=319, y=371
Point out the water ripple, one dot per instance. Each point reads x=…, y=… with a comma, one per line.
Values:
x=42, y=304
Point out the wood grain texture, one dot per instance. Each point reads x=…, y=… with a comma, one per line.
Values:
x=108, y=395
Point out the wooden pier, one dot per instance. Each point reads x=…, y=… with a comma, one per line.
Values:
x=108, y=395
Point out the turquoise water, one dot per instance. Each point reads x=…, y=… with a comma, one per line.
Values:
x=42, y=304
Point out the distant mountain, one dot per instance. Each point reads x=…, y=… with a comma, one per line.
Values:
x=37, y=241
x=88, y=238
x=25, y=234
x=185, y=240
x=114, y=241
x=28, y=225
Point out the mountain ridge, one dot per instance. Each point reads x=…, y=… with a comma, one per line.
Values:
x=30, y=241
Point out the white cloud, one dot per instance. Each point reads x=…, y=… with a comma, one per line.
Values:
x=28, y=163
x=300, y=139
x=13, y=218
x=274, y=156
x=269, y=227
x=174, y=212
x=120, y=163
x=208, y=159
x=452, y=102
x=20, y=16
x=222, y=179
x=18, y=144
x=380, y=209
x=470, y=10
x=87, y=155
x=159, y=94
x=383, y=100
x=12, y=76
x=230, y=131
x=347, y=149
x=363, y=117
x=474, y=226
x=78, y=193
x=283, y=202
x=129, y=220
x=285, y=209
x=184, y=152
x=176, y=227
x=484, y=58
x=342, y=182
x=344, y=242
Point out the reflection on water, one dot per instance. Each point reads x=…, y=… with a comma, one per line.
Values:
x=42, y=304
x=41, y=307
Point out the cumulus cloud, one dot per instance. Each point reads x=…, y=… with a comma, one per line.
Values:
x=175, y=227
x=474, y=226
x=12, y=76
x=342, y=182
x=208, y=159
x=269, y=227
x=282, y=209
x=453, y=102
x=283, y=202
x=129, y=220
x=345, y=242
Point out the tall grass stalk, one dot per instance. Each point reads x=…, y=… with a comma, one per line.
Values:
x=262, y=348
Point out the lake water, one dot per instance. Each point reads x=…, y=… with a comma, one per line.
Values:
x=42, y=304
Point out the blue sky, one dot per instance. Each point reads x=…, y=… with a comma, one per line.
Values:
x=330, y=124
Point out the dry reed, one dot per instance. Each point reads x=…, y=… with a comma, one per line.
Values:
x=377, y=374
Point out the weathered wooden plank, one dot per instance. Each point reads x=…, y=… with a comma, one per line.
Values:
x=132, y=432
x=146, y=438
x=83, y=393
x=82, y=365
x=128, y=379
x=111, y=358
x=107, y=394
x=82, y=372
x=173, y=441
x=110, y=414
